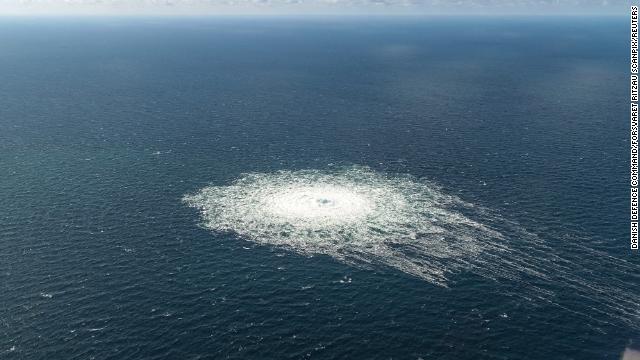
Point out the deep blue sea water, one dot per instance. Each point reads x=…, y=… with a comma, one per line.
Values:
x=106, y=123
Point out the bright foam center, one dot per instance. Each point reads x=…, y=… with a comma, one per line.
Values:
x=324, y=202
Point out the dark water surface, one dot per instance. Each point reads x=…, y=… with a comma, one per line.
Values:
x=105, y=124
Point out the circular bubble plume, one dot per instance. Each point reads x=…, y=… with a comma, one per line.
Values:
x=354, y=215
x=366, y=218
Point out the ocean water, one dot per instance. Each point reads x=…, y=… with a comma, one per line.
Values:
x=326, y=188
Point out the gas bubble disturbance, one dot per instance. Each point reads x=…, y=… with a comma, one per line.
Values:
x=366, y=218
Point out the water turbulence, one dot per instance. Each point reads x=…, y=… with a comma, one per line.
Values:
x=366, y=218
x=354, y=215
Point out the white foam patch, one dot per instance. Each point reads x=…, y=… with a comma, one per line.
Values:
x=365, y=218
x=354, y=215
